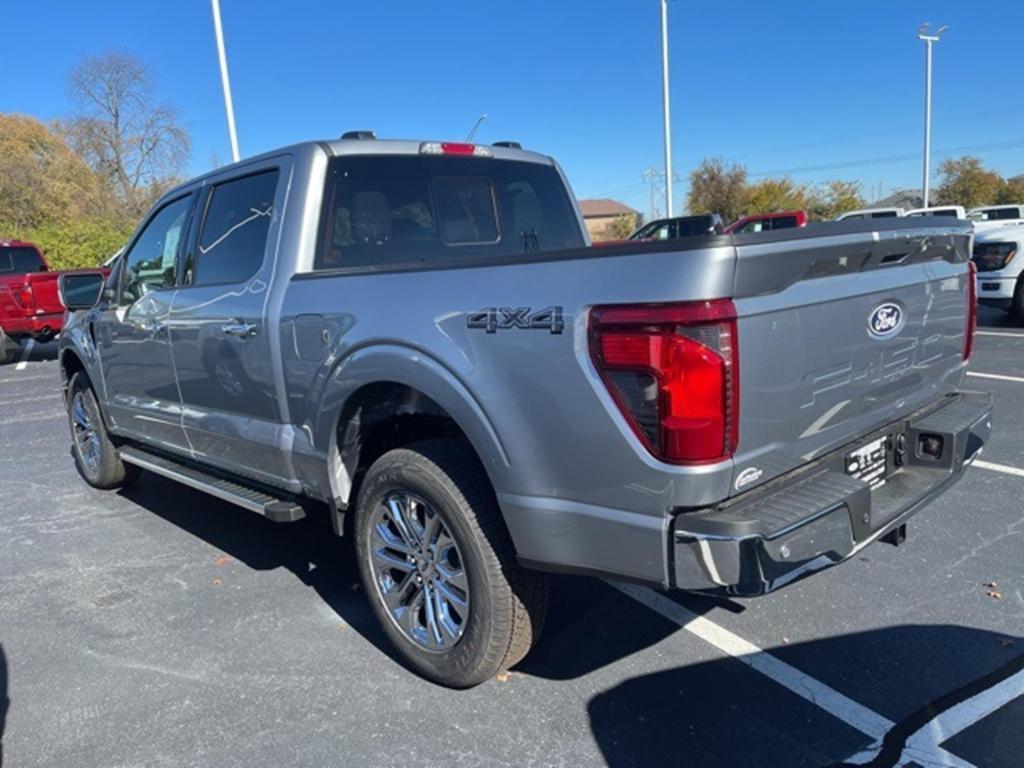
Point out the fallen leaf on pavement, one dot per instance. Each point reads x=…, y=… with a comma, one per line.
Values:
x=222, y=560
x=995, y=595
x=502, y=677
x=216, y=582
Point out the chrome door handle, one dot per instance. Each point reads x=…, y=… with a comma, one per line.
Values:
x=242, y=330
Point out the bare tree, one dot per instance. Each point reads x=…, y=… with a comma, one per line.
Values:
x=131, y=140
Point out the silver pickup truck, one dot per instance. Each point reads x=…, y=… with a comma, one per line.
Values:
x=416, y=338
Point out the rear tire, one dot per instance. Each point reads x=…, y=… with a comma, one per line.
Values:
x=428, y=512
x=95, y=455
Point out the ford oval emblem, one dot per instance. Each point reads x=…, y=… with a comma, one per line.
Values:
x=885, y=320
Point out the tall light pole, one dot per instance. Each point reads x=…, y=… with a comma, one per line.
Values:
x=665, y=108
x=929, y=38
x=224, y=80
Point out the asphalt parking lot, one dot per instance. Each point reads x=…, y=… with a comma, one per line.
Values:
x=160, y=627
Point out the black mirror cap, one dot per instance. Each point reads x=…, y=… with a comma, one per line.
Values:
x=81, y=290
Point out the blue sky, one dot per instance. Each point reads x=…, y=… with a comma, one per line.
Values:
x=817, y=89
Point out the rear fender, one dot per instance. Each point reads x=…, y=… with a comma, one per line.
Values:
x=410, y=367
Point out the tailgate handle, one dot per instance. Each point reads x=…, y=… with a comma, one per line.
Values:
x=893, y=258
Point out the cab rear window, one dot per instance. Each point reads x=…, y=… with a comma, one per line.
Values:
x=20, y=259
x=396, y=209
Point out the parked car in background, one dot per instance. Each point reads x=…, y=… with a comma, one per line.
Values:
x=989, y=213
x=949, y=211
x=415, y=338
x=30, y=305
x=999, y=258
x=872, y=213
x=765, y=222
x=680, y=226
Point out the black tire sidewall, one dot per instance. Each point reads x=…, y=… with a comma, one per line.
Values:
x=459, y=666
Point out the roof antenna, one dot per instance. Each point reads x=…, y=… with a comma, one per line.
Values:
x=476, y=125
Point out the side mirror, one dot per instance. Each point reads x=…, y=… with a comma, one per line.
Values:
x=81, y=290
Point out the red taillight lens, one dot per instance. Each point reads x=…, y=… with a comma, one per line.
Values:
x=972, y=309
x=454, y=148
x=673, y=371
x=26, y=296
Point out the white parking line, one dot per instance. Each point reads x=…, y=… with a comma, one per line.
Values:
x=1006, y=470
x=1000, y=333
x=844, y=708
x=996, y=376
x=23, y=362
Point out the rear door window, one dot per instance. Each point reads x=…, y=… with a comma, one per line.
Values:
x=20, y=259
x=397, y=209
x=233, y=238
x=783, y=222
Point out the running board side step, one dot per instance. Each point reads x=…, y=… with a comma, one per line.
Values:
x=273, y=508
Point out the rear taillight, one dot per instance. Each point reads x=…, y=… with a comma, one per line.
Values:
x=673, y=371
x=26, y=296
x=972, y=309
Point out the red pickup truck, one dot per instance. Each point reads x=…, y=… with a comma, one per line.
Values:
x=30, y=304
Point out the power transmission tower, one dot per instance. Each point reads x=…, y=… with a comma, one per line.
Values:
x=658, y=188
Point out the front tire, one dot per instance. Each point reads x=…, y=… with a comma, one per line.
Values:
x=1017, y=308
x=95, y=455
x=439, y=568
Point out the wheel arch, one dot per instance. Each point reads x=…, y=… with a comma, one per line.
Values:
x=387, y=396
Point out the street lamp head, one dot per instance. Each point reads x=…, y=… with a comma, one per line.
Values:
x=924, y=32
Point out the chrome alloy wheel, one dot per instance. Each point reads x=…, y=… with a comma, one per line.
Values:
x=87, y=440
x=419, y=571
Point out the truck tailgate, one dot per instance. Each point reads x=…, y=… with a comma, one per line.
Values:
x=839, y=335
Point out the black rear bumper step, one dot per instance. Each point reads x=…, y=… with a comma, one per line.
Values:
x=272, y=507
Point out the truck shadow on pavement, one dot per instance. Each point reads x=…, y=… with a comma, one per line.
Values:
x=722, y=713
x=308, y=548
x=577, y=639
x=5, y=701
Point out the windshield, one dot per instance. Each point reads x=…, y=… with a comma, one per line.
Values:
x=391, y=209
x=20, y=259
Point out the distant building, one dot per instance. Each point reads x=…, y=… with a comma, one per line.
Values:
x=906, y=199
x=598, y=214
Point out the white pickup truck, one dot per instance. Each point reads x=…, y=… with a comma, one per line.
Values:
x=997, y=255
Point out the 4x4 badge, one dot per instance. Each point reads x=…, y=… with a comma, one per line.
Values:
x=494, y=319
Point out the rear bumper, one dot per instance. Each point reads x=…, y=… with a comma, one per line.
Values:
x=43, y=326
x=819, y=516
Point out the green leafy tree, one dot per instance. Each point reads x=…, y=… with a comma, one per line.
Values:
x=966, y=182
x=770, y=195
x=1012, y=191
x=718, y=188
x=827, y=201
x=621, y=227
x=79, y=243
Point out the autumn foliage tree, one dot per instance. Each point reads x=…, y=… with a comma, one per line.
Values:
x=718, y=188
x=966, y=182
x=77, y=188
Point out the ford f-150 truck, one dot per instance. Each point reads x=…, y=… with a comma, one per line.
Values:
x=30, y=304
x=416, y=337
x=999, y=258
